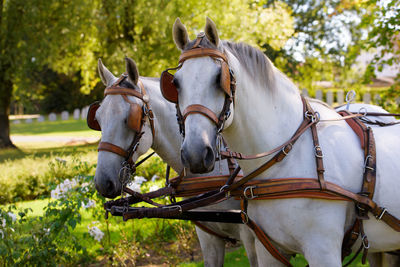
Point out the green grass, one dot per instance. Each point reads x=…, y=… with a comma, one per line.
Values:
x=37, y=161
x=54, y=128
x=25, y=174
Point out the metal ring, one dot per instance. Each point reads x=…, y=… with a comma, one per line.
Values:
x=222, y=188
x=363, y=113
x=350, y=95
x=252, y=196
x=365, y=244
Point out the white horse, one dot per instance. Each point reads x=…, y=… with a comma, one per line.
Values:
x=266, y=112
x=166, y=143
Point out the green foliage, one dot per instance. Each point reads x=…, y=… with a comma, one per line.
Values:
x=29, y=177
x=144, y=30
x=382, y=19
x=48, y=240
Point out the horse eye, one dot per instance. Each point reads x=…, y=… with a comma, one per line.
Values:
x=175, y=82
x=218, y=79
x=125, y=120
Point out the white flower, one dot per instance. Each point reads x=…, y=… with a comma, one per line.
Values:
x=90, y=203
x=139, y=180
x=3, y=224
x=56, y=194
x=61, y=189
x=12, y=216
x=96, y=233
x=2, y=234
x=134, y=186
x=155, y=177
x=46, y=231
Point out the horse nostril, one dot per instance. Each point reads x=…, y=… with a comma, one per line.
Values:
x=209, y=158
x=110, y=187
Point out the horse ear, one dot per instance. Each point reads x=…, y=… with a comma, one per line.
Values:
x=180, y=34
x=132, y=70
x=211, y=32
x=106, y=76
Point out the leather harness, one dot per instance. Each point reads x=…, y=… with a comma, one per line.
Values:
x=280, y=188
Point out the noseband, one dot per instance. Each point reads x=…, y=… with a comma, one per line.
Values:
x=227, y=83
x=128, y=166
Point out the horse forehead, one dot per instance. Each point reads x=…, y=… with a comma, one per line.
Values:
x=112, y=105
x=198, y=70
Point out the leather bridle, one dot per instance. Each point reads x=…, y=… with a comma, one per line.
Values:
x=227, y=83
x=116, y=89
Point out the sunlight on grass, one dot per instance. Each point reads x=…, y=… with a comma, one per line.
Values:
x=54, y=128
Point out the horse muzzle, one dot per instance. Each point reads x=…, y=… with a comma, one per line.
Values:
x=106, y=186
x=199, y=156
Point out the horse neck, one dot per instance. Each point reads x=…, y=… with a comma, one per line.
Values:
x=266, y=117
x=166, y=140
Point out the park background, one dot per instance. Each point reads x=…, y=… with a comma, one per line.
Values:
x=50, y=213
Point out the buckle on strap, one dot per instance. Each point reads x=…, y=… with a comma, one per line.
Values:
x=286, y=149
x=379, y=217
x=249, y=188
x=313, y=117
x=245, y=217
x=318, y=152
x=366, y=163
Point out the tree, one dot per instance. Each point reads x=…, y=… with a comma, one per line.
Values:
x=68, y=36
x=36, y=34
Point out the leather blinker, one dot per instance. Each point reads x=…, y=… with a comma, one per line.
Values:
x=135, y=116
x=91, y=116
x=168, y=88
x=225, y=78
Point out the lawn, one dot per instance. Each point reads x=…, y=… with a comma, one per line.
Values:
x=77, y=128
x=146, y=241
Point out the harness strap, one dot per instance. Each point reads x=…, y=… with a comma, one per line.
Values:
x=105, y=146
x=196, y=108
x=317, y=149
x=202, y=52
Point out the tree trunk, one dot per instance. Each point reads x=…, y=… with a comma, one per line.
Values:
x=5, y=99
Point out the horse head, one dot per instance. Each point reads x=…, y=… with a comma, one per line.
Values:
x=121, y=117
x=202, y=83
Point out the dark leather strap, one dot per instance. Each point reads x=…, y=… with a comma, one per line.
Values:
x=202, y=52
x=105, y=146
x=122, y=91
x=200, y=109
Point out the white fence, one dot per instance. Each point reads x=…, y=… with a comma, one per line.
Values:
x=338, y=97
